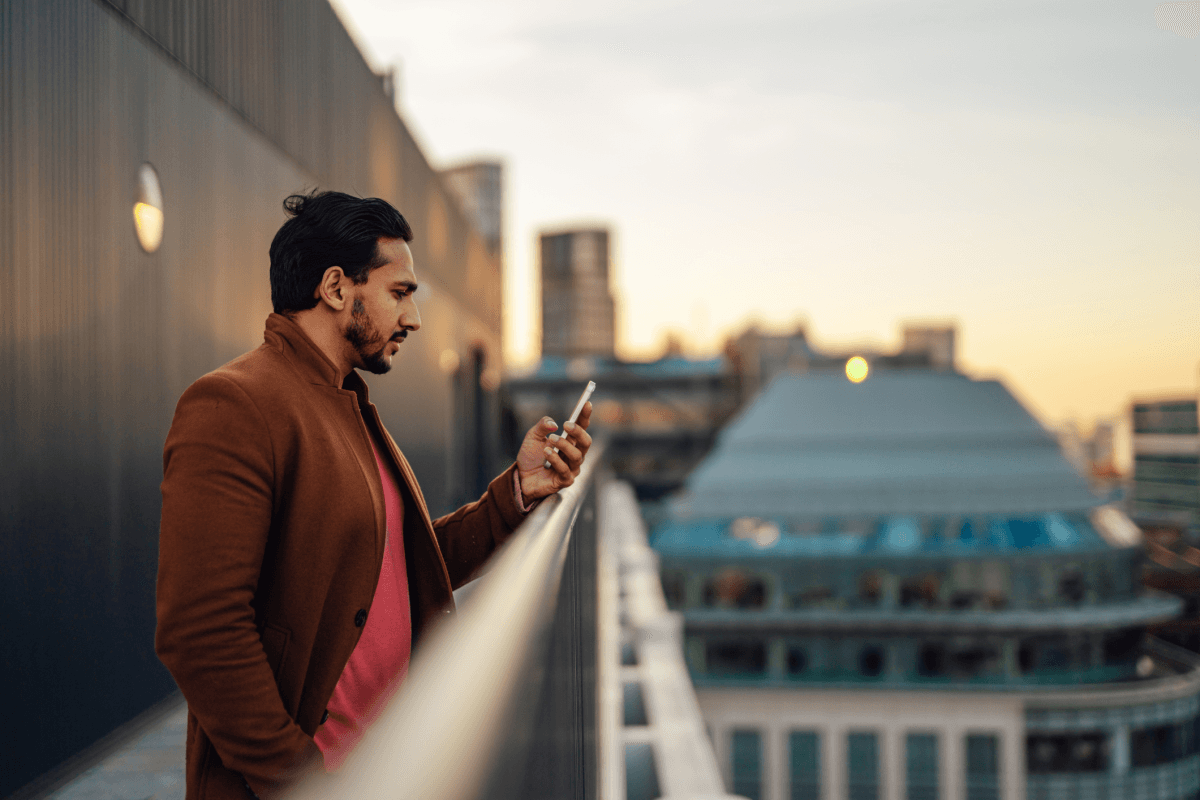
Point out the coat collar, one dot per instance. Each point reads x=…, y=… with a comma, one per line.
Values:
x=313, y=365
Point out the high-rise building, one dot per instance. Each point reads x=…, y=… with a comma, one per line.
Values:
x=1166, y=462
x=577, y=303
x=479, y=188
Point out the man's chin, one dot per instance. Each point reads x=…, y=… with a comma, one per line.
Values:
x=377, y=363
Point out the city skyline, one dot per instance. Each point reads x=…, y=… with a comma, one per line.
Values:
x=1026, y=172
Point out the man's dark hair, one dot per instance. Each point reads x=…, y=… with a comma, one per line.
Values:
x=328, y=229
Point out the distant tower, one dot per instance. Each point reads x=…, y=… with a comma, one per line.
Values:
x=936, y=341
x=478, y=187
x=577, y=305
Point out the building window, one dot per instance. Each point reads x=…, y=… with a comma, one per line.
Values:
x=805, y=756
x=862, y=766
x=736, y=658
x=975, y=661
x=745, y=761
x=1122, y=647
x=797, y=660
x=816, y=597
x=734, y=588
x=1076, y=752
x=921, y=591
x=931, y=660
x=870, y=588
x=983, y=767
x=871, y=661
x=921, y=765
x=1162, y=744
x=1072, y=587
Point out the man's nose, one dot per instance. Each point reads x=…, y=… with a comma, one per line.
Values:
x=410, y=317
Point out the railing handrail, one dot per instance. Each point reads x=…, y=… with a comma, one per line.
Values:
x=439, y=735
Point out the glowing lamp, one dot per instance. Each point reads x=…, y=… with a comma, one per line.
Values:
x=856, y=369
x=148, y=210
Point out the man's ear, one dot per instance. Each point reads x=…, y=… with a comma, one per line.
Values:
x=333, y=289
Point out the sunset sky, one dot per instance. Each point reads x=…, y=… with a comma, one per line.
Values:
x=1029, y=169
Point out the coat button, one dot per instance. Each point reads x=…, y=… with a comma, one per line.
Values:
x=360, y=618
x=324, y=716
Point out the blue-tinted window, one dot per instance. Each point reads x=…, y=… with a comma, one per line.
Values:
x=921, y=762
x=1073, y=752
x=1162, y=744
x=745, y=753
x=983, y=767
x=862, y=766
x=734, y=658
x=805, y=758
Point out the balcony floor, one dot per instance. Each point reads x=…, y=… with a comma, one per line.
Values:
x=147, y=767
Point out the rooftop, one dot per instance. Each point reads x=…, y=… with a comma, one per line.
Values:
x=900, y=444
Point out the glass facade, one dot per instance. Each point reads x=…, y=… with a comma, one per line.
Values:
x=745, y=764
x=982, y=767
x=804, y=757
x=921, y=766
x=862, y=766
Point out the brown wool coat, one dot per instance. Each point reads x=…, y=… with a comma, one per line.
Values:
x=270, y=547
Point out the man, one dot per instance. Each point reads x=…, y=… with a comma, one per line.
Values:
x=298, y=563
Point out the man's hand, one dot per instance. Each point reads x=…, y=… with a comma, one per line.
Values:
x=538, y=480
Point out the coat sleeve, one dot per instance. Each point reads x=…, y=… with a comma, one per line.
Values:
x=217, y=505
x=469, y=536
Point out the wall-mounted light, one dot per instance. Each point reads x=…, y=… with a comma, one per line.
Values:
x=148, y=210
x=856, y=369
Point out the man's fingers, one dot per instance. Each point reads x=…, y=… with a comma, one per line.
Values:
x=567, y=448
x=580, y=436
x=543, y=429
x=565, y=478
x=585, y=416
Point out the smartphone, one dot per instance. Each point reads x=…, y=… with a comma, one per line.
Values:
x=583, y=398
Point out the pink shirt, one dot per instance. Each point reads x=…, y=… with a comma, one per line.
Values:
x=380, y=659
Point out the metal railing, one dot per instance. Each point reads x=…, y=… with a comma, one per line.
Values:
x=500, y=700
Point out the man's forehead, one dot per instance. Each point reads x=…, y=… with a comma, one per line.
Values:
x=397, y=261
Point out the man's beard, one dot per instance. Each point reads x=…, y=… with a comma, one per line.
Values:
x=368, y=342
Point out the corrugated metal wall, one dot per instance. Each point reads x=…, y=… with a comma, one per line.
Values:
x=236, y=104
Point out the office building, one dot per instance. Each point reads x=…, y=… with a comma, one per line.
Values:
x=479, y=188
x=1166, y=464
x=578, y=315
x=899, y=588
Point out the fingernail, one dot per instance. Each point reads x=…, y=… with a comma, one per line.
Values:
x=553, y=437
x=570, y=426
x=551, y=423
x=547, y=450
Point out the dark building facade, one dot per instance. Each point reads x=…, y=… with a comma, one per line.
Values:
x=233, y=106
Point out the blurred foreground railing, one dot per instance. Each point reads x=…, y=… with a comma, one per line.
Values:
x=528, y=691
x=500, y=701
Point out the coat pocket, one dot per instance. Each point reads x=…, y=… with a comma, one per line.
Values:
x=275, y=642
